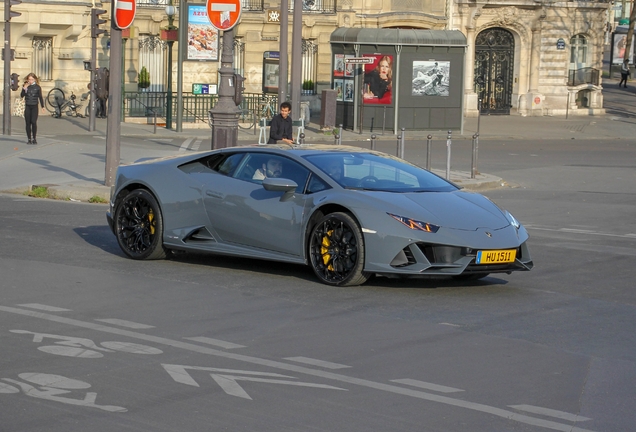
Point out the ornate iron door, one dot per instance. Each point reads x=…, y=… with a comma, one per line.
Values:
x=494, y=55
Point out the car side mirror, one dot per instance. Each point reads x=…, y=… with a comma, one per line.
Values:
x=280, y=185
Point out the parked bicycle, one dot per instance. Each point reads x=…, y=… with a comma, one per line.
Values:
x=248, y=118
x=56, y=104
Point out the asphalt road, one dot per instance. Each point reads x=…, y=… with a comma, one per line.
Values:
x=94, y=341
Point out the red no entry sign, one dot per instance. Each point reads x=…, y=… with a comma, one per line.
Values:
x=224, y=14
x=124, y=13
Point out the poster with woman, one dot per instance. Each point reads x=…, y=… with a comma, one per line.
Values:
x=338, y=87
x=348, y=90
x=349, y=67
x=378, y=80
x=338, y=65
x=618, y=49
x=203, y=38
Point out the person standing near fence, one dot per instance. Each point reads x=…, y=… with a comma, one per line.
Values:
x=32, y=94
x=281, y=127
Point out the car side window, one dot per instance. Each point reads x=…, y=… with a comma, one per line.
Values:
x=258, y=166
x=316, y=184
x=228, y=165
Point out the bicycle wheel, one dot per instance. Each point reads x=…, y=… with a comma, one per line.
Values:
x=246, y=119
x=54, y=101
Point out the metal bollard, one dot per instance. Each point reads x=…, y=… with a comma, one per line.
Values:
x=448, y=155
x=373, y=137
x=336, y=138
x=340, y=134
x=429, y=141
x=473, y=166
x=402, y=144
x=155, y=131
x=301, y=138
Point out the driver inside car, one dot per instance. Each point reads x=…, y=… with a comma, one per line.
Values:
x=273, y=168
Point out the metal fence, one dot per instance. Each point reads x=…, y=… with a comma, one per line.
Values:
x=195, y=107
x=583, y=76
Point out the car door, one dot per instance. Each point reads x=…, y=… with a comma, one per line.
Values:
x=242, y=212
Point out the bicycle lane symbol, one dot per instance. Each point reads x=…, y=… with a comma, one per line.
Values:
x=69, y=346
x=51, y=387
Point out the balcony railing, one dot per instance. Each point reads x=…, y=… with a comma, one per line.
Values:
x=586, y=75
x=252, y=5
x=152, y=3
x=316, y=6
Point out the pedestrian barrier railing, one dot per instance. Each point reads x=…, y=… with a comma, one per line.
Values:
x=195, y=106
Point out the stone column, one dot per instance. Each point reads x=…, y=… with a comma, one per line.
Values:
x=534, y=99
x=470, y=97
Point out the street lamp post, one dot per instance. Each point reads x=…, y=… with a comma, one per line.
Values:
x=170, y=34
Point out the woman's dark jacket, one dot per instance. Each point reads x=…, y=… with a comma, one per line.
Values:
x=377, y=85
x=32, y=95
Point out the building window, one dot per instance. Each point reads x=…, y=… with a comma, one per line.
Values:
x=578, y=52
x=152, y=55
x=43, y=58
x=310, y=66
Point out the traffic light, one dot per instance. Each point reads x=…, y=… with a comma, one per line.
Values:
x=8, y=13
x=15, y=81
x=96, y=21
x=239, y=86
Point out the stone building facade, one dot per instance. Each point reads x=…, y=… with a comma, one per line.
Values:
x=532, y=57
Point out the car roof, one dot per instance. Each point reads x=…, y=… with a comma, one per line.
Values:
x=302, y=149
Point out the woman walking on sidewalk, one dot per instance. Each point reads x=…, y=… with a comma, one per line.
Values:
x=624, y=72
x=32, y=94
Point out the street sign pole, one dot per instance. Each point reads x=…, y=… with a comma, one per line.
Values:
x=122, y=16
x=297, y=61
x=224, y=15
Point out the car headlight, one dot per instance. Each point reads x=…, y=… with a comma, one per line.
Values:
x=415, y=224
x=514, y=222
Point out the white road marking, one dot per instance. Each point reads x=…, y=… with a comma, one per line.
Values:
x=428, y=386
x=132, y=348
x=314, y=362
x=54, y=387
x=124, y=323
x=215, y=342
x=161, y=140
x=44, y=307
x=579, y=231
x=550, y=412
x=229, y=382
x=499, y=412
x=67, y=351
x=186, y=144
x=70, y=346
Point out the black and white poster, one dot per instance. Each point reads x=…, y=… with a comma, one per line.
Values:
x=431, y=78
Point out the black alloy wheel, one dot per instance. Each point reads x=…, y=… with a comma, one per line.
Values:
x=336, y=249
x=139, y=226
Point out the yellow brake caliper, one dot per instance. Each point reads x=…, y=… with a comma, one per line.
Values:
x=151, y=221
x=324, y=250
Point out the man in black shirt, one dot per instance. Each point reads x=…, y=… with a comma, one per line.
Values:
x=281, y=127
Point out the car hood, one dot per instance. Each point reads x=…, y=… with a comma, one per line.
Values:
x=455, y=210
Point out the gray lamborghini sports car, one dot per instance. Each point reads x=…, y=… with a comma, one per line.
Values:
x=347, y=212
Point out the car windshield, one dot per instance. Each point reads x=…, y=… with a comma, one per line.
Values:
x=377, y=172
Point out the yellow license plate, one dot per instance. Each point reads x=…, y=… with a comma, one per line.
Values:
x=496, y=256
